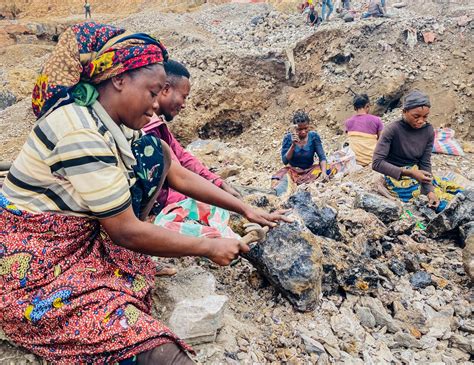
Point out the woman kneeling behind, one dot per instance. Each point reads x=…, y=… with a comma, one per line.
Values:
x=298, y=149
x=403, y=155
x=77, y=275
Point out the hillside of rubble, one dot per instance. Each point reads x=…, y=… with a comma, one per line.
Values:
x=252, y=66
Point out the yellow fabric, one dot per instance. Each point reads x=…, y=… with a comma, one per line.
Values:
x=408, y=188
x=363, y=145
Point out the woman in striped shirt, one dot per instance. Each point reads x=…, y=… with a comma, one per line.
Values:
x=76, y=273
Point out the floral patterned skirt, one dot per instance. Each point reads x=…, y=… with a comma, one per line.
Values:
x=70, y=295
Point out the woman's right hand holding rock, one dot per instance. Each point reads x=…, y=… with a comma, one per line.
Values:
x=223, y=251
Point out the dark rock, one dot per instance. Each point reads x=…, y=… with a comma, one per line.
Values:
x=466, y=231
x=421, y=206
x=374, y=250
x=261, y=201
x=459, y=212
x=290, y=258
x=386, y=210
x=421, y=280
x=411, y=263
x=348, y=18
x=320, y=221
x=386, y=246
x=397, y=267
x=256, y=20
x=402, y=226
x=6, y=99
x=330, y=280
x=359, y=279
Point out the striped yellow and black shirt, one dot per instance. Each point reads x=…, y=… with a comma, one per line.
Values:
x=70, y=164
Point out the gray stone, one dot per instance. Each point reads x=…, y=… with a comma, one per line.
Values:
x=382, y=318
x=386, y=210
x=198, y=320
x=366, y=317
x=256, y=20
x=26, y=38
x=448, y=360
x=312, y=346
x=411, y=262
x=190, y=283
x=323, y=359
x=406, y=340
x=189, y=305
x=346, y=326
x=348, y=18
x=462, y=308
x=465, y=343
x=6, y=99
x=459, y=212
x=290, y=258
x=399, y=5
x=421, y=280
x=397, y=267
x=467, y=234
x=440, y=322
x=320, y=221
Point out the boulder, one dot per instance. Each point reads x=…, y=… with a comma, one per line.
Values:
x=320, y=221
x=290, y=259
x=460, y=211
x=190, y=306
x=198, y=320
x=386, y=210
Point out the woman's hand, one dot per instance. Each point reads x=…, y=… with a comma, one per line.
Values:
x=266, y=219
x=295, y=139
x=224, y=250
x=324, y=176
x=229, y=189
x=433, y=200
x=423, y=177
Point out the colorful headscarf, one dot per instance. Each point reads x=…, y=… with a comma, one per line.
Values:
x=90, y=53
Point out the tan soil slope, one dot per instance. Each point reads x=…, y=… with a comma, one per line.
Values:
x=30, y=9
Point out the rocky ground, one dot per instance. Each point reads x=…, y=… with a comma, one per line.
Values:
x=391, y=293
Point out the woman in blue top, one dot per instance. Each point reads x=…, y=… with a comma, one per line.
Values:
x=297, y=152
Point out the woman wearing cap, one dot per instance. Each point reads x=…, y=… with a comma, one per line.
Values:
x=76, y=274
x=403, y=155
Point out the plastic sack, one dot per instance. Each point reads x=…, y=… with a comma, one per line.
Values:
x=344, y=161
x=444, y=142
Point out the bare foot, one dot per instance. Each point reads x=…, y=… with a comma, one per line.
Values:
x=165, y=271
